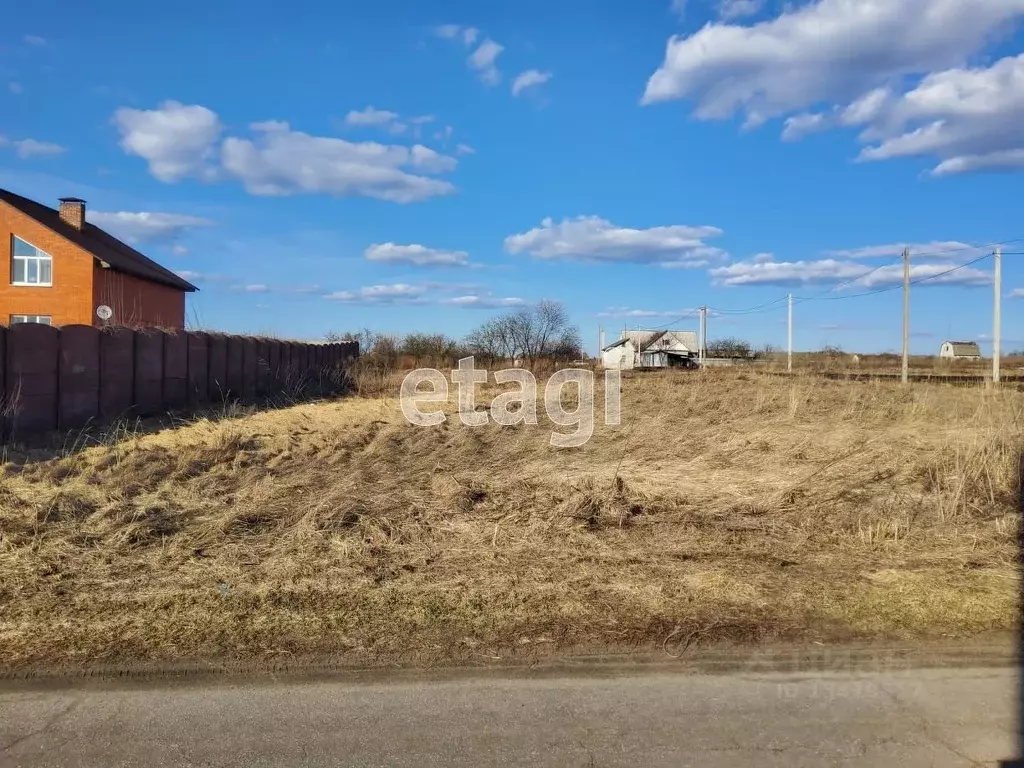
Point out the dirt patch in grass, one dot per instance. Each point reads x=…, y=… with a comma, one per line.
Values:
x=726, y=507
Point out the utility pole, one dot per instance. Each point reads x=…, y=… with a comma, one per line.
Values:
x=789, y=335
x=600, y=341
x=702, y=341
x=906, y=315
x=997, y=310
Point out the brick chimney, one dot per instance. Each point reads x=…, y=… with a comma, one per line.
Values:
x=72, y=211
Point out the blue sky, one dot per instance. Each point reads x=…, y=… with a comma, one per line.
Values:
x=418, y=165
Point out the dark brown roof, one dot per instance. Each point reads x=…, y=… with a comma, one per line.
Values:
x=103, y=246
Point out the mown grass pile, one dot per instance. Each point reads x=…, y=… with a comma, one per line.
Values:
x=727, y=506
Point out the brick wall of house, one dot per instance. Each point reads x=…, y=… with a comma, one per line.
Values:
x=70, y=298
x=138, y=302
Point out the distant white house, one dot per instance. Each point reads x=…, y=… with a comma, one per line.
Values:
x=651, y=349
x=960, y=350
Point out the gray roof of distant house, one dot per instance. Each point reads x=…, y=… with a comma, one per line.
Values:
x=100, y=244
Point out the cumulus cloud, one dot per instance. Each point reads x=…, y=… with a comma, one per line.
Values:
x=145, y=226
x=418, y=255
x=280, y=161
x=735, y=9
x=180, y=141
x=176, y=140
x=483, y=302
x=852, y=273
x=468, y=35
x=855, y=56
x=832, y=50
x=26, y=148
x=627, y=312
x=952, y=249
x=531, y=78
x=969, y=118
x=427, y=293
x=370, y=116
x=483, y=62
x=591, y=238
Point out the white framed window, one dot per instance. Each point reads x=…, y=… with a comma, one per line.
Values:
x=29, y=265
x=44, y=319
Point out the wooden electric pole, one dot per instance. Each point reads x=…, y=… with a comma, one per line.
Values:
x=789, y=336
x=906, y=315
x=996, y=312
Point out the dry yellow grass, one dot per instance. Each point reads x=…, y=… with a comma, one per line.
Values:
x=728, y=505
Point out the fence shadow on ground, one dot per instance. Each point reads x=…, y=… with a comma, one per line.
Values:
x=57, y=444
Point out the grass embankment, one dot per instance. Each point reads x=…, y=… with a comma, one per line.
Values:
x=727, y=506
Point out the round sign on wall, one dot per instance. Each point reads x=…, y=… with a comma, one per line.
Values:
x=103, y=312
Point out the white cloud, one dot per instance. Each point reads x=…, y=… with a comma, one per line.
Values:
x=627, y=312
x=464, y=149
x=734, y=9
x=380, y=294
x=15, y=88
x=798, y=126
x=483, y=59
x=370, y=116
x=280, y=161
x=426, y=159
x=444, y=135
x=969, y=118
x=34, y=40
x=198, y=277
x=824, y=271
x=253, y=288
x=591, y=238
x=179, y=250
x=26, y=148
x=855, y=57
x=529, y=79
x=468, y=35
x=1017, y=293
x=952, y=249
x=176, y=140
x=483, y=302
x=678, y=7
x=761, y=258
x=418, y=255
x=144, y=226
x=831, y=50
x=180, y=141
x=422, y=119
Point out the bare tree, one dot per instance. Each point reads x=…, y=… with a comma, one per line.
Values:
x=540, y=331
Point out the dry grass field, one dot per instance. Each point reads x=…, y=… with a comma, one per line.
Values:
x=727, y=507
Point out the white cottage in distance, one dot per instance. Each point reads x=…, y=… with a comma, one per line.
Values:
x=651, y=349
x=960, y=350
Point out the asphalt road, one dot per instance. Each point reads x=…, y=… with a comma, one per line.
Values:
x=962, y=717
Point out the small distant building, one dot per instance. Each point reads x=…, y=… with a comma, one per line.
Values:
x=651, y=349
x=960, y=350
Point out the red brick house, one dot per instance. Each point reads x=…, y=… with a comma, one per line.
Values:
x=60, y=269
